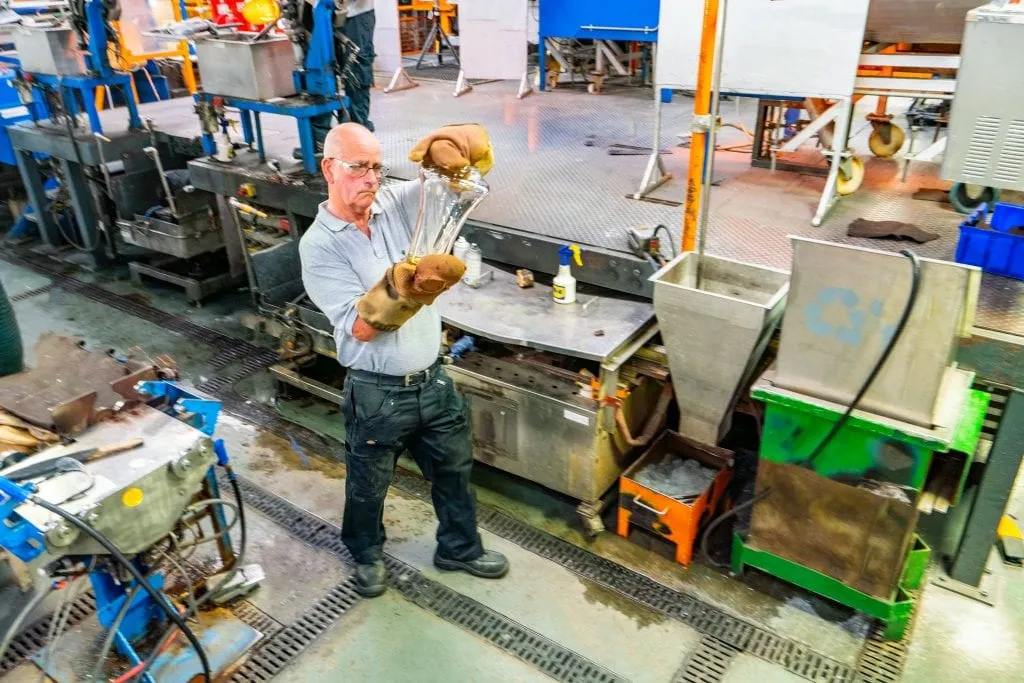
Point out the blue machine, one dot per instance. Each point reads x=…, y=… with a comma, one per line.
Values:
x=588, y=20
x=77, y=91
x=142, y=615
x=316, y=82
x=12, y=112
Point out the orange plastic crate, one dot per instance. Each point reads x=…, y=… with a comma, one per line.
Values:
x=671, y=519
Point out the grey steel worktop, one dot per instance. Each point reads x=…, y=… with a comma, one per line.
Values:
x=592, y=328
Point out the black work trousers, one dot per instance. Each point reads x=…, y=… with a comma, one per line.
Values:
x=429, y=419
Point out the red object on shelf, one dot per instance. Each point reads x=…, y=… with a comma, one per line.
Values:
x=230, y=12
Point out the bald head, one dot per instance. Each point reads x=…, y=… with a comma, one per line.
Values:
x=351, y=142
x=351, y=155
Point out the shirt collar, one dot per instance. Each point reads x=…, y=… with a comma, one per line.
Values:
x=335, y=224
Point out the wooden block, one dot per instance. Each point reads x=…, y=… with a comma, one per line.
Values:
x=524, y=278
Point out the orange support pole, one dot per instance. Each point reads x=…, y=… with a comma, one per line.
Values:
x=701, y=110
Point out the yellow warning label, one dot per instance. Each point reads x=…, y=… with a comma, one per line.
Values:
x=558, y=291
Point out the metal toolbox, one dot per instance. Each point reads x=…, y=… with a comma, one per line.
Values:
x=233, y=66
x=52, y=51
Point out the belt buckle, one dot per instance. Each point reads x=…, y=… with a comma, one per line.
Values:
x=412, y=379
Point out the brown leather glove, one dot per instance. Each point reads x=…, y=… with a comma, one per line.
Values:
x=455, y=147
x=406, y=288
x=427, y=280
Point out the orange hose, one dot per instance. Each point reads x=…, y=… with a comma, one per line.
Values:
x=698, y=140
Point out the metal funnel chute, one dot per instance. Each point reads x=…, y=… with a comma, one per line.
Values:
x=715, y=329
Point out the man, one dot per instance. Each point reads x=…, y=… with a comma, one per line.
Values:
x=396, y=394
x=357, y=27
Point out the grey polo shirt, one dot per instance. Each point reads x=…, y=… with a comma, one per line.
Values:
x=340, y=263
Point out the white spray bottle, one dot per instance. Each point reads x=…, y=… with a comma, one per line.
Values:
x=563, y=287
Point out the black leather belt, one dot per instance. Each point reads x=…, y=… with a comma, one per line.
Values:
x=411, y=380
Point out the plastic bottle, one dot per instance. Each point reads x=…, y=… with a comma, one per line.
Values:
x=563, y=287
x=461, y=247
x=474, y=265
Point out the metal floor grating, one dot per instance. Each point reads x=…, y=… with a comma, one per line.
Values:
x=795, y=657
x=31, y=293
x=32, y=639
x=257, y=618
x=274, y=653
x=708, y=663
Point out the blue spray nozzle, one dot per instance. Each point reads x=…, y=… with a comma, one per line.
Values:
x=567, y=252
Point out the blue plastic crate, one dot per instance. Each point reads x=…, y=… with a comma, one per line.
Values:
x=1000, y=253
x=1006, y=217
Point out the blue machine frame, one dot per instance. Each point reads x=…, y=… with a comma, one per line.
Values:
x=585, y=19
x=26, y=542
x=100, y=75
x=316, y=82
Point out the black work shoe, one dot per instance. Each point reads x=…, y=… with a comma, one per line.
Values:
x=490, y=565
x=371, y=579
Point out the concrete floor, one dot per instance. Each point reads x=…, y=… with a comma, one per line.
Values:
x=391, y=639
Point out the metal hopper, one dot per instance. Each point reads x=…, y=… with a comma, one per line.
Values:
x=714, y=331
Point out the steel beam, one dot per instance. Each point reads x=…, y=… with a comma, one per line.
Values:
x=993, y=492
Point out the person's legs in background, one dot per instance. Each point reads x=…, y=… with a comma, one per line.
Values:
x=358, y=78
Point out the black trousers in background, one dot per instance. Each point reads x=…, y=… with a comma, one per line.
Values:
x=358, y=80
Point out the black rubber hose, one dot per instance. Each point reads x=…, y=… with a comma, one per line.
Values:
x=108, y=641
x=721, y=518
x=233, y=479
x=136, y=574
x=11, y=352
x=15, y=626
x=915, y=284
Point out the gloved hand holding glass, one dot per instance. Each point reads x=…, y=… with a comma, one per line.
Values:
x=453, y=161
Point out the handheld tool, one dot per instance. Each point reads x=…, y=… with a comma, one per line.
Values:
x=44, y=463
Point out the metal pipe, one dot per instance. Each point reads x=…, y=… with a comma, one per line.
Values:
x=155, y=155
x=100, y=139
x=709, y=164
x=909, y=94
x=698, y=138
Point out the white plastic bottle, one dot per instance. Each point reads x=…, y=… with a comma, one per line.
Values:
x=461, y=247
x=563, y=287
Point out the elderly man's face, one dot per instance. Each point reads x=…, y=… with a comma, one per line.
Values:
x=353, y=172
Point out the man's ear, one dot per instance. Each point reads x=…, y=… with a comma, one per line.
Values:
x=325, y=164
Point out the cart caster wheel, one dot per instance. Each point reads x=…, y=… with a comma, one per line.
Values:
x=590, y=515
x=965, y=197
x=551, y=81
x=592, y=526
x=850, y=181
x=594, y=88
x=886, y=139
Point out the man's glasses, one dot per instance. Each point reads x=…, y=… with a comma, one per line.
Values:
x=358, y=170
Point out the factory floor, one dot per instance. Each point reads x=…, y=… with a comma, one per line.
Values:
x=575, y=615
x=395, y=638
